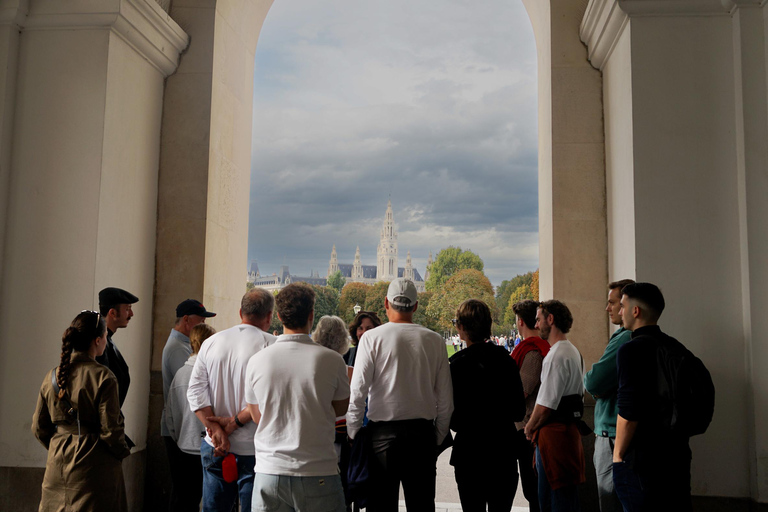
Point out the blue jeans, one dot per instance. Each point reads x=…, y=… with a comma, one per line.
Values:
x=564, y=499
x=282, y=493
x=218, y=495
x=628, y=487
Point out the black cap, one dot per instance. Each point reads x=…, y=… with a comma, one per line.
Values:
x=192, y=307
x=114, y=296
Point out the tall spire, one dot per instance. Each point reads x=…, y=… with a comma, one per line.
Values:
x=333, y=265
x=386, y=254
x=357, y=267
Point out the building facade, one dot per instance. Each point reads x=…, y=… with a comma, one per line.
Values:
x=386, y=268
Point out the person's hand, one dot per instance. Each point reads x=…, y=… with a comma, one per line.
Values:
x=528, y=433
x=220, y=442
x=227, y=423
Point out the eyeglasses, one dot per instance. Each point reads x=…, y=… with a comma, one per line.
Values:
x=98, y=316
x=455, y=321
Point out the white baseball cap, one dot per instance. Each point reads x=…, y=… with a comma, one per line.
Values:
x=401, y=289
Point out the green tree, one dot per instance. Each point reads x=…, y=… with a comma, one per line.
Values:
x=448, y=262
x=535, y=285
x=326, y=302
x=422, y=316
x=507, y=288
x=249, y=286
x=464, y=284
x=522, y=292
x=351, y=294
x=336, y=281
x=374, y=299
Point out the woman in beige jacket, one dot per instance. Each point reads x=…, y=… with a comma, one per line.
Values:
x=78, y=420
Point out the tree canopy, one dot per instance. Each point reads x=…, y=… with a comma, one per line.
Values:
x=326, y=302
x=336, y=281
x=528, y=288
x=374, y=299
x=422, y=316
x=351, y=294
x=448, y=262
x=464, y=284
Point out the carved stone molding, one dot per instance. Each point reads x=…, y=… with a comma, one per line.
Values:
x=141, y=23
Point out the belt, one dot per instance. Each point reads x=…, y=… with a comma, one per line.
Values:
x=605, y=433
x=64, y=428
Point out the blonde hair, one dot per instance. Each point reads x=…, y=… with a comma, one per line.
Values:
x=198, y=335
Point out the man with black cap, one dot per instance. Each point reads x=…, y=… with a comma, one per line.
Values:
x=115, y=307
x=189, y=313
x=402, y=369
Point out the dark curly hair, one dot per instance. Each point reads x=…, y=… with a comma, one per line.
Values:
x=562, y=317
x=370, y=315
x=294, y=304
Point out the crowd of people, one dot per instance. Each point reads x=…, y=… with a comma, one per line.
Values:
x=267, y=422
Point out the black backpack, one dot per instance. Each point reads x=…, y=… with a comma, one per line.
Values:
x=687, y=385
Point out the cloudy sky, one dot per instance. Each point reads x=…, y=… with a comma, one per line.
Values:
x=429, y=103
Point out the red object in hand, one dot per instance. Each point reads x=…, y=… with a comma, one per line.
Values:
x=229, y=468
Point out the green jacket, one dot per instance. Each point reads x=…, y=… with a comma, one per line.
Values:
x=602, y=382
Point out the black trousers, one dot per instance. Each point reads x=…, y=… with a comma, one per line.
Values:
x=187, y=478
x=405, y=452
x=484, y=484
x=524, y=451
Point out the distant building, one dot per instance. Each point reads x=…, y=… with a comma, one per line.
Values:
x=386, y=268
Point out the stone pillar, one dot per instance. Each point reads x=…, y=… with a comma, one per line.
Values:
x=572, y=214
x=685, y=89
x=81, y=202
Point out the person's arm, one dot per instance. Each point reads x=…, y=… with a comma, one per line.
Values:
x=218, y=435
x=111, y=419
x=340, y=406
x=362, y=375
x=602, y=380
x=230, y=423
x=253, y=410
x=625, y=432
x=538, y=419
x=530, y=372
x=42, y=425
x=444, y=396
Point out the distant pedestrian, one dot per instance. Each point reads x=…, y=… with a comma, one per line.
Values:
x=116, y=308
x=217, y=396
x=176, y=352
x=487, y=392
x=78, y=420
x=402, y=369
x=602, y=382
x=185, y=430
x=528, y=355
x=295, y=390
x=559, y=406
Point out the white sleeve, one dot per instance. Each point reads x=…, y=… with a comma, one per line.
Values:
x=361, y=384
x=444, y=397
x=198, y=394
x=250, y=389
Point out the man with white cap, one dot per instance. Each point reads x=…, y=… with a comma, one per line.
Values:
x=402, y=369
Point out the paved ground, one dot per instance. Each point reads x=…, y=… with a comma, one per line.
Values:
x=447, y=495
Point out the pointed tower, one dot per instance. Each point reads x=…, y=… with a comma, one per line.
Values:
x=357, y=267
x=408, y=273
x=333, y=266
x=429, y=264
x=386, y=254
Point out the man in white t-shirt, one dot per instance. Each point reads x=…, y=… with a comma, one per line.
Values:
x=559, y=406
x=294, y=390
x=402, y=369
x=216, y=395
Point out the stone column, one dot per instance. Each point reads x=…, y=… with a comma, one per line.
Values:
x=686, y=125
x=81, y=202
